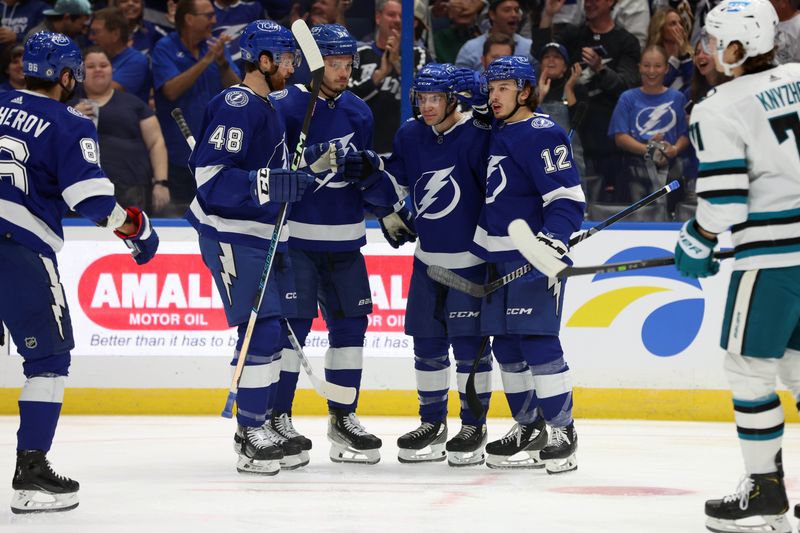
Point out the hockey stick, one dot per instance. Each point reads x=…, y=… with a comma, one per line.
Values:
x=329, y=391
x=315, y=64
x=326, y=389
x=538, y=254
x=577, y=118
x=177, y=115
x=454, y=281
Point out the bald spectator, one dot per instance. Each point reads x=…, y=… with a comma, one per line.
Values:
x=505, y=16
x=109, y=31
x=70, y=17
x=463, y=15
x=189, y=68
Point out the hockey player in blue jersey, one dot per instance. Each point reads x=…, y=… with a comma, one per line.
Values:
x=240, y=165
x=441, y=157
x=530, y=175
x=327, y=232
x=49, y=153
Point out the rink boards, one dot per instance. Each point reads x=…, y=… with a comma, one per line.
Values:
x=153, y=339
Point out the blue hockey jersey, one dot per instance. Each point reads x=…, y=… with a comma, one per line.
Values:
x=530, y=175
x=50, y=163
x=446, y=175
x=330, y=217
x=232, y=19
x=241, y=132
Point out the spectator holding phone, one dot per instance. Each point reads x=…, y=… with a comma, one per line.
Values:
x=667, y=30
x=608, y=56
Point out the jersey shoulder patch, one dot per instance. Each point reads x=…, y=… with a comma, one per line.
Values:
x=236, y=98
x=279, y=95
x=542, y=122
x=481, y=125
x=77, y=113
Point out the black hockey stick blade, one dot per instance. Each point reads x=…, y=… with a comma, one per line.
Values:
x=473, y=402
x=577, y=118
x=448, y=278
x=180, y=120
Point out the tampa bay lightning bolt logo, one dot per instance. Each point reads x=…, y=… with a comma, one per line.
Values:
x=436, y=189
x=496, y=179
x=237, y=98
x=327, y=180
x=654, y=120
x=541, y=123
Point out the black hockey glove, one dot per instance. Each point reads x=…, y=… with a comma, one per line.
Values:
x=362, y=168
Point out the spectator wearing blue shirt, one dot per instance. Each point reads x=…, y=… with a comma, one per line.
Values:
x=505, y=17
x=232, y=17
x=18, y=17
x=143, y=34
x=189, y=68
x=109, y=31
x=650, y=121
x=70, y=17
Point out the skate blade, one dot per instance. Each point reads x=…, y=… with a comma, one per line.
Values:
x=761, y=524
x=38, y=501
x=245, y=465
x=561, y=466
x=461, y=459
x=293, y=462
x=524, y=460
x=351, y=455
x=429, y=454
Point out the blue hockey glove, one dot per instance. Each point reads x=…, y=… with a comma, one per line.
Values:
x=398, y=228
x=362, y=168
x=278, y=185
x=694, y=252
x=470, y=87
x=322, y=157
x=144, y=241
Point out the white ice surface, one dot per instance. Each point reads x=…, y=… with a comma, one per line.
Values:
x=154, y=474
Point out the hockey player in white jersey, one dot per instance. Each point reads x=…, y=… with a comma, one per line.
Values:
x=49, y=157
x=747, y=137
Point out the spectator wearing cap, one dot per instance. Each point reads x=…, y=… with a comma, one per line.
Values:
x=69, y=17
x=19, y=16
x=377, y=78
x=559, y=92
x=505, y=17
x=609, y=56
x=463, y=16
x=189, y=68
x=109, y=31
x=11, y=66
x=143, y=33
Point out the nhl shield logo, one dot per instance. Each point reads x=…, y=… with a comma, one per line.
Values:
x=31, y=343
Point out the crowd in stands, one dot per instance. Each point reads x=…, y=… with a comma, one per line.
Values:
x=620, y=75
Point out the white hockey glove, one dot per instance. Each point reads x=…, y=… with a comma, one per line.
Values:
x=322, y=157
x=398, y=228
x=557, y=248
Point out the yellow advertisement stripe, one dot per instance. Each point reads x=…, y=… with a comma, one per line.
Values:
x=639, y=404
x=600, y=311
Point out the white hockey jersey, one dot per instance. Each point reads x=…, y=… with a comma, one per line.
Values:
x=747, y=137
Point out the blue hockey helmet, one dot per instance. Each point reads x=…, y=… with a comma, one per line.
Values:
x=435, y=78
x=267, y=36
x=47, y=54
x=511, y=68
x=335, y=40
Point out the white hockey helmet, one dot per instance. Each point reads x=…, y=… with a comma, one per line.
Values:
x=751, y=22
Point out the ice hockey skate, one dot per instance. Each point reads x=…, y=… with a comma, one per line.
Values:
x=260, y=452
x=425, y=444
x=466, y=448
x=758, y=505
x=283, y=426
x=519, y=448
x=559, y=453
x=38, y=489
x=350, y=442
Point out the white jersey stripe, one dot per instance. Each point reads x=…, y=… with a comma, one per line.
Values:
x=80, y=191
x=242, y=227
x=20, y=216
x=321, y=232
